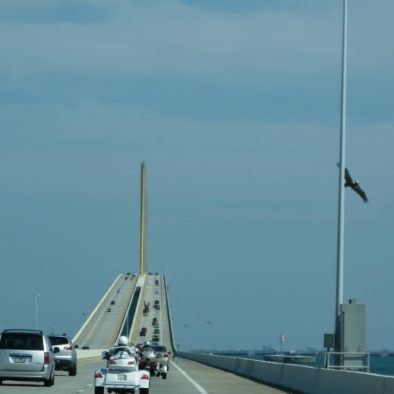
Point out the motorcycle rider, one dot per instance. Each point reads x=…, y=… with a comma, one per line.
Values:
x=122, y=345
x=148, y=356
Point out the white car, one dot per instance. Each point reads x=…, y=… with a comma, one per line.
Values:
x=27, y=355
x=122, y=374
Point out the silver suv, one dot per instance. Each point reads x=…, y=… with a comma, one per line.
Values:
x=66, y=356
x=26, y=355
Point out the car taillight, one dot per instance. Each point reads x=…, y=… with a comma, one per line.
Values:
x=154, y=362
x=165, y=355
x=141, y=362
x=112, y=361
x=145, y=377
x=68, y=348
x=46, y=358
x=99, y=375
x=131, y=363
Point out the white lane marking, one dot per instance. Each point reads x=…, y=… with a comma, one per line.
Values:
x=194, y=383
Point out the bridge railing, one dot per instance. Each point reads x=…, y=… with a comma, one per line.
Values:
x=169, y=316
x=351, y=361
x=299, y=378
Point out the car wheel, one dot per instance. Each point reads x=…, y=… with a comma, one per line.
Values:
x=99, y=390
x=48, y=382
x=164, y=375
x=144, y=391
x=73, y=370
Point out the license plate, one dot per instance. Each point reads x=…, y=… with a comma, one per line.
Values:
x=20, y=359
x=122, y=378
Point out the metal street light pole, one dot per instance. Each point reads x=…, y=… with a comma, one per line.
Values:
x=37, y=295
x=341, y=205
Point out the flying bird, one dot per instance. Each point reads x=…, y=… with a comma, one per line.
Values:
x=355, y=186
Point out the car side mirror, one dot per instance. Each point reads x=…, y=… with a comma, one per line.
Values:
x=105, y=355
x=56, y=350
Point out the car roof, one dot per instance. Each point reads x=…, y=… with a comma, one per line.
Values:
x=23, y=330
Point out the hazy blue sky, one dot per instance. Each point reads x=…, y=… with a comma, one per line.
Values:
x=234, y=106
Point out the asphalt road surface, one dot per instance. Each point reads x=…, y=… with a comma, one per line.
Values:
x=184, y=377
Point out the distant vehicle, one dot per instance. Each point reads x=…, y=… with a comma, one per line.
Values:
x=150, y=273
x=129, y=273
x=143, y=331
x=108, y=309
x=157, y=302
x=126, y=277
x=156, y=325
x=118, y=291
x=154, y=321
x=66, y=357
x=85, y=347
x=157, y=282
x=145, y=312
x=157, y=307
x=156, y=291
x=156, y=331
x=155, y=338
x=26, y=355
x=156, y=273
x=162, y=357
x=113, y=302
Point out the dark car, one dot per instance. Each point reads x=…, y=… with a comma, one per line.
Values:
x=113, y=302
x=143, y=331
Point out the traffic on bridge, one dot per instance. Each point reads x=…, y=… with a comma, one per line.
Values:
x=126, y=345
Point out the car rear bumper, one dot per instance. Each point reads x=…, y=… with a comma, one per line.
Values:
x=64, y=363
x=28, y=376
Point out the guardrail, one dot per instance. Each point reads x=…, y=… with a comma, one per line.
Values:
x=169, y=317
x=352, y=361
x=298, y=378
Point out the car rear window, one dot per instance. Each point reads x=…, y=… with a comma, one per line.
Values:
x=21, y=341
x=160, y=348
x=58, y=340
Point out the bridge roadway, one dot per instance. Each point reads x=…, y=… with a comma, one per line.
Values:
x=102, y=327
x=184, y=377
x=153, y=290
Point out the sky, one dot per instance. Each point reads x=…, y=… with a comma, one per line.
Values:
x=234, y=105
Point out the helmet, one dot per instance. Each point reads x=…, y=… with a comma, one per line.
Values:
x=122, y=341
x=147, y=343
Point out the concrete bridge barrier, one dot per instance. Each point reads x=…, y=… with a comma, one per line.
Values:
x=298, y=378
